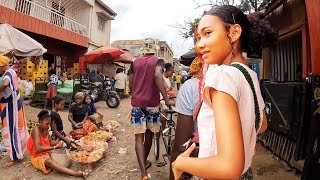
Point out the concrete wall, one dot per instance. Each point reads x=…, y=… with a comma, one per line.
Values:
x=97, y=36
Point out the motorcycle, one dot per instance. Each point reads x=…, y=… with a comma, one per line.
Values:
x=101, y=91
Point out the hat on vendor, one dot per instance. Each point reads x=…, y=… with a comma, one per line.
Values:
x=149, y=46
x=4, y=61
x=195, y=66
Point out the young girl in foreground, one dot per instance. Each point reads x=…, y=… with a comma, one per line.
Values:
x=40, y=145
x=56, y=121
x=227, y=118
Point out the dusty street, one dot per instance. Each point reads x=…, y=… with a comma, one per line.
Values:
x=124, y=166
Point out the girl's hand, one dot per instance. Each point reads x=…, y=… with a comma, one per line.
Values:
x=177, y=163
x=59, y=145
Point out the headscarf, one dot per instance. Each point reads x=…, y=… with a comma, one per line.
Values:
x=195, y=66
x=91, y=107
x=79, y=94
x=4, y=61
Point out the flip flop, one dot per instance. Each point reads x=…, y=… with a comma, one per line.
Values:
x=161, y=164
x=148, y=164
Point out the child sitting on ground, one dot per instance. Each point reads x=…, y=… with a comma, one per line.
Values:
x=56, y=121
x=94, y=116
x=78, y=112
x=78, y=116
x=40, y=145
x=88, y=100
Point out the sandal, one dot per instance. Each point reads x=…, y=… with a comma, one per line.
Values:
x=148, y=164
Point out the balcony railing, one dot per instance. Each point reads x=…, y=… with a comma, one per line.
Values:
x=46, y=14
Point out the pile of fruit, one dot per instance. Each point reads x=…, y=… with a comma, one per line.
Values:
x=93, y=147
x=97, y=136
x=111, y=126
x=31, y=124
x=88, y=155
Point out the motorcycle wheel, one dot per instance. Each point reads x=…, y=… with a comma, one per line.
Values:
x=113, y=101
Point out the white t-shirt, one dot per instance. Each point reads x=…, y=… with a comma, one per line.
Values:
x=230, y=80
x=121, y=79
x=188, y=97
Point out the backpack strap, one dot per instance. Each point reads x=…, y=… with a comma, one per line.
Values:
x=256, y=105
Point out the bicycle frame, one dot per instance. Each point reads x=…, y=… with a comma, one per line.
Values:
x=167, y=132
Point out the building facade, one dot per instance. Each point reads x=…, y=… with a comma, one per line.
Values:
x=100, y=26
x=165, y=52
x=67, y=29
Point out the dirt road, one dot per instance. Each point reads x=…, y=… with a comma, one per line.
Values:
x=121, y=167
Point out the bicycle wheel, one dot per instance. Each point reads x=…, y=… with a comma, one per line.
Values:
x=156, y=145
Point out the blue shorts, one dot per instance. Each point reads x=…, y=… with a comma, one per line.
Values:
x=145, y=118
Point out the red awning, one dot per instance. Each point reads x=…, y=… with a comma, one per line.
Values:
x=126, y=57
x=102, y=55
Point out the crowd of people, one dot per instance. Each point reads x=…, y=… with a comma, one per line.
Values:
x=220, y=108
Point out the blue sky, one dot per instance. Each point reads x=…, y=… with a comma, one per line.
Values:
x=138, y=19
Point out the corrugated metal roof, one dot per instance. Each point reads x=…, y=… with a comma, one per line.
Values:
x=127, y=42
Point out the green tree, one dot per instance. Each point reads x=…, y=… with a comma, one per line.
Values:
x=186, y=29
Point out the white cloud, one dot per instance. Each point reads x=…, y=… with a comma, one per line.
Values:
x=138, y=19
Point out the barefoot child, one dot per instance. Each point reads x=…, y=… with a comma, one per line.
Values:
x=40, y=145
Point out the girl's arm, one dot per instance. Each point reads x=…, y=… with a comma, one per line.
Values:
x=57, y=133
x=35, y=134
x=70, y=118
x=85, y=117
x=229, y=162
x=264, y=125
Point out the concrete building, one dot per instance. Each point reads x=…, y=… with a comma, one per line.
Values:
x=100, y=27
x=134, y=47
x=65, y=28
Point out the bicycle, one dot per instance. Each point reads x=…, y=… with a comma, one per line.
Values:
x=167, y=137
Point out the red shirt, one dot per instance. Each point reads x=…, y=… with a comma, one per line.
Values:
x=145, y=92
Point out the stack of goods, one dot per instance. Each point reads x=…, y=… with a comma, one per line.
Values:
x=32, y=72
x=111, y=126
x=72, y=71
x=93, y=147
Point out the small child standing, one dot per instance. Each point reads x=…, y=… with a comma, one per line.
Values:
x=52, y=89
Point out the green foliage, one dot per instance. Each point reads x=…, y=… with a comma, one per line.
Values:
x=186, y=30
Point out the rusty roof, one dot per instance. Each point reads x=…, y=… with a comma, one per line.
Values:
x=127, y=42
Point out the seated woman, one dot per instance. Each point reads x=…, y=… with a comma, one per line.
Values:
x=56, y=121
x=40, y=145
x=78, y=112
